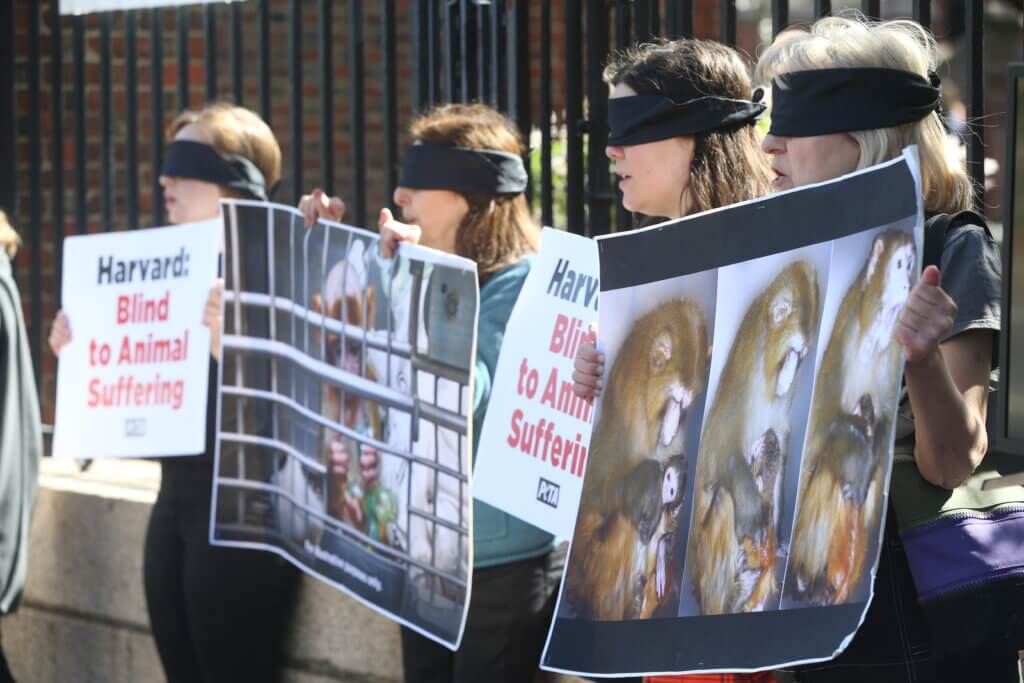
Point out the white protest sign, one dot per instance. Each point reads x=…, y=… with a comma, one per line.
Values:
x=87, y=6
x=534, y=441
x=132, y=381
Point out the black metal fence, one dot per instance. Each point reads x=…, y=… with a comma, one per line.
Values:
x=538, y=61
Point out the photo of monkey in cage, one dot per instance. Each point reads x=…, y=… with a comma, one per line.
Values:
x=344, y=412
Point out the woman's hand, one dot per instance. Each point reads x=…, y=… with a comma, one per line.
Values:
x=588, y=368
x=926, y=318
x=60, y=333
x=392, y=232
x=317, y=205
x=213, y=318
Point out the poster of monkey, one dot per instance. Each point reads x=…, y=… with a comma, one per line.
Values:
x=345, y=411
x=736, y=486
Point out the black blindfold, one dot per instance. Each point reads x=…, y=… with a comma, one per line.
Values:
x=645, y=118
x=462, y=169
x=199, y=161
x=824, y=101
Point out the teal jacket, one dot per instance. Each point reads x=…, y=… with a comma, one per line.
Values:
x=498, y=538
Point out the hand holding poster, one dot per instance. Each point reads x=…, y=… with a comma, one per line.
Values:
x=132, y=382
x=534, y=441
x=344, y=412
x=738, y=474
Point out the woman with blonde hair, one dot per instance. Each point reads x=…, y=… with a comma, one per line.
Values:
x=21, y=440
x=217, y=614
x=847, y=94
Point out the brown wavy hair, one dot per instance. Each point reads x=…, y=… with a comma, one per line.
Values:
x=498, y=230
x=728, y=165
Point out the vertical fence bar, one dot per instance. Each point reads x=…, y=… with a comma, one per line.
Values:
x=519, y=101
x=780, y=15
x=106, y=115
x=573, y=116
x=464, y=52
x=433, y=39
x=326, y=98
x=482, y=67
x=872, y=9
x=57, y=131
x=623, y=218
x=922, y=11
x=446, y=56
x=642, y=20
x=421, y=53
x=975, y=31
x=655, y=10
x=822, y=8
x=600, y=195
x=8, y=129
x=499, y=95
x=156, y=103
x=210, y=51
x=237, y=83
x=182, y=58
x=546, y=195
x=685, y=17
x=78, y=47
x=295, y=96
x=131, y=113
x=264, y=61
x=358, y=113
x=35, y=186
x=727, y=29
x=387, y=10
x=623, y=28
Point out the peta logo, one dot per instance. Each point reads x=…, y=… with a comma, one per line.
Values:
x=547, y=492
x=135, y=426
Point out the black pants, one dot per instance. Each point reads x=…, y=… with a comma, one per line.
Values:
x=510, y=609
x=218, y=615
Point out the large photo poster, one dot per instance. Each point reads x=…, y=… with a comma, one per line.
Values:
x=533, y=444
x=736, y=485
x=345, y=412
x=133, y=380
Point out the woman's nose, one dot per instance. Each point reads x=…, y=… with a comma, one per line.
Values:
x=402, y=196
x=614, y=151
x=773, y=144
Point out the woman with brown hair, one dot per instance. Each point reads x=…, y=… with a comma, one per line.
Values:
x=218, y=614
x=462, y=191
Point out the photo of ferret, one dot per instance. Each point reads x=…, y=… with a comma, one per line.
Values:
x=849, y=437
x=738, y=524
x=627, y=547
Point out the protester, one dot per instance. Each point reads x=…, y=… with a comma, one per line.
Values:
x=848, y=94
x=683, y=139
x=462, y=191
x=218, y=614
x=21, y=440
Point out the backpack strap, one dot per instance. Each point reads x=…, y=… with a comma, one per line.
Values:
x=938, y=226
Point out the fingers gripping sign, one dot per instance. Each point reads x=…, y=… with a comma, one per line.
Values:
x=927, y=317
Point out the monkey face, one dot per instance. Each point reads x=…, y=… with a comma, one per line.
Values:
x=675, y=398
x=670, y=486
x=792, y=316
x=888, y=278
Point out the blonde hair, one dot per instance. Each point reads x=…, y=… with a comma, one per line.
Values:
x=498, y=230
x=9, y=240
x=852, y=41
x=236, y=130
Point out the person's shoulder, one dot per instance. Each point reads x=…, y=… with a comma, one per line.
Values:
x=511, y=276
